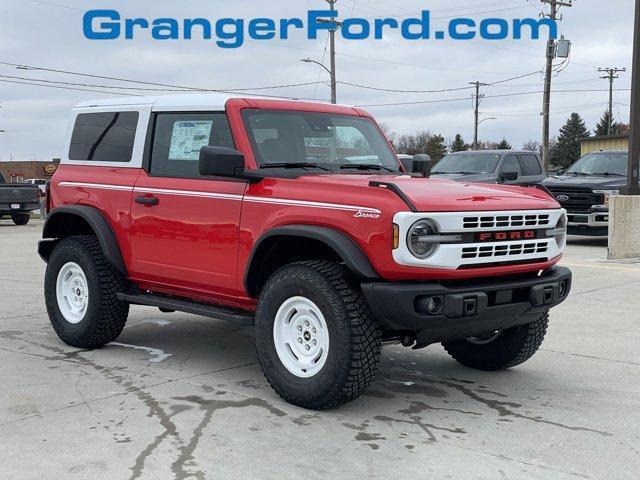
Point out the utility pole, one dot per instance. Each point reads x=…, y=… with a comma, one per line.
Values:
x=332, y=48
x=546, y=102
x=332, y=51
x=633, y=187
x=611, y=75
x=476, y=111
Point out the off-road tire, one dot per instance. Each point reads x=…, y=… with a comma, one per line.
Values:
x=354, y=335
x=20, y=218
x=106, y=315
x=512, y=347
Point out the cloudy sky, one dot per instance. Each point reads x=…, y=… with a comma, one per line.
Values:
x=48, y=34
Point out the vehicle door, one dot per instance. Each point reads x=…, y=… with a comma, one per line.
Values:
x=532, y=168
x=184, y=227
x=511, y=163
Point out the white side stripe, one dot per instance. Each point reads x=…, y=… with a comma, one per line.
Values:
x=224, y=196
x=188, y=193
x=100, y=186
x=303, y=203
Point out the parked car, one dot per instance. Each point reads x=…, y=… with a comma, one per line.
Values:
x=490, y=166
x=585, y=188
x=295, y=218
x=40, y=182
x=18, y=200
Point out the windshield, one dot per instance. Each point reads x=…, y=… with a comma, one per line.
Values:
x=307, y=140
x=468, y=163
x=612, y=163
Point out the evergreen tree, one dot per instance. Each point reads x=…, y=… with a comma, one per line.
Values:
x=602, y=128
x=458, y=144
x=567, y=148
x=504, y=145
x=436, y=148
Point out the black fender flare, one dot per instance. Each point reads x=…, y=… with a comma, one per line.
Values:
x=53, y=231
x=350, y=253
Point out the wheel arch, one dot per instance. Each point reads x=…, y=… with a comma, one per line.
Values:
x=80, y=220
x=291, y=243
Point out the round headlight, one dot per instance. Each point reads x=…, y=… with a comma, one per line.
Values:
x=561, y=231
x=418, y=241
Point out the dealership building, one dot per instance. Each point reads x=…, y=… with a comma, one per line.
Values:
x=606, y=142
x=16, y=172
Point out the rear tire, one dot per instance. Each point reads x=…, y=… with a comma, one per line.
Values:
x=80, y=290
x=317, y=341
x=509, y=348
x=20, y=218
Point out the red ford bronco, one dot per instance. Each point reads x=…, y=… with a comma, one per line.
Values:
x=296, y=218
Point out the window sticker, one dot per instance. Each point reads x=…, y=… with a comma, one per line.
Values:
x=188, y=138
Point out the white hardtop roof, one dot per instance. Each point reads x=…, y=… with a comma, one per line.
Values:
x=188, y=101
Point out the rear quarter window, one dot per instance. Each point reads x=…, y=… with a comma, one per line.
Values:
x=531, y=165
x=104, y=137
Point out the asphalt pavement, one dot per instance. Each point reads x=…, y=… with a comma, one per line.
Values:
x=182, y=397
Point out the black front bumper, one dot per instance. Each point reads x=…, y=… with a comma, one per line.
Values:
x=466, y=308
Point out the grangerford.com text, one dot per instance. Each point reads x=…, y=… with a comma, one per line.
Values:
x=232, y=32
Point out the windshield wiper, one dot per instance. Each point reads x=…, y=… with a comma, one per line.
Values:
x=294, y=165
x=455, y=173
x=608, y=174
x=365, y=166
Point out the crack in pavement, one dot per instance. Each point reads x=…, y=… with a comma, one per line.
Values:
x=500, y=406
x=210, y=407
x=622, y=362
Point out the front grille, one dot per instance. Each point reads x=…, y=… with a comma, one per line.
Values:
x=580, y=199
x=513, y=249
x=506, y=221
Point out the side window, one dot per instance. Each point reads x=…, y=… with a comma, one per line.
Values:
x=104, y=137
x=531, y=165
x=511, y=164
x=178, y=138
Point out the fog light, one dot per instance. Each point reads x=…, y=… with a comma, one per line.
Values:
x=429, y=305
x=562, y=290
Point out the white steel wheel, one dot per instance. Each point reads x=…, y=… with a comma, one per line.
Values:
x=72, y=292
x=301, y=337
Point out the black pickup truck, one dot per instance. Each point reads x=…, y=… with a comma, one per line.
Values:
x=18, y=200
x=586, y=187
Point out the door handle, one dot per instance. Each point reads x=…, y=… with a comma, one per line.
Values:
x=147, y=200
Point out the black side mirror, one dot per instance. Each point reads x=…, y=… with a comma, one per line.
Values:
x=508, y=177
x=421, y=165
x=221, y=162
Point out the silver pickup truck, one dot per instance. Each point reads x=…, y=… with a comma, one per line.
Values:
x=18, y=200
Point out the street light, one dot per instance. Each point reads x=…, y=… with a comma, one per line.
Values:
x=475, y=138
x=485, y=119
x=331, y=74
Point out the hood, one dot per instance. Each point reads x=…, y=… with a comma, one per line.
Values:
x=476, y=177
x=429, y=194
x=595, y=182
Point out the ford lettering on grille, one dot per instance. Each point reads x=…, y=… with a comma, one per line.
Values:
x=506, y=236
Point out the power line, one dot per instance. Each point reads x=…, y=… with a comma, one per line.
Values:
x=64, y=87
x=60, y=87
x=273, y=87
x=421, y=102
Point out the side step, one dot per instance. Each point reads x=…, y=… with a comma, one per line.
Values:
x=196, y=308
